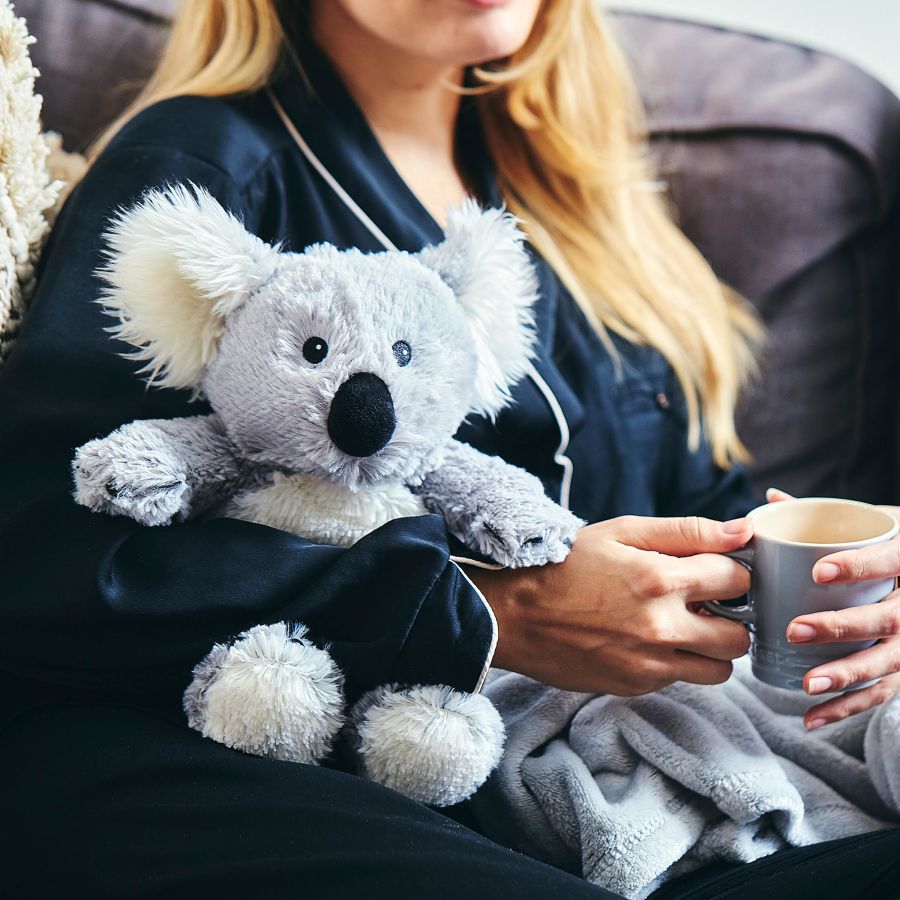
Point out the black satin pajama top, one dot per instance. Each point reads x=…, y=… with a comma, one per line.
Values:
x=95, y=607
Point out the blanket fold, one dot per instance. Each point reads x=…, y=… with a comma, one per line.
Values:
x=631, y=791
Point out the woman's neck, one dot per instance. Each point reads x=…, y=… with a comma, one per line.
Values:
x=407, y=101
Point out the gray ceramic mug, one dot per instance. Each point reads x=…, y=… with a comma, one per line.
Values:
x=788, y=539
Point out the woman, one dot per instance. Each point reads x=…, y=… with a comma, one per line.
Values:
x=351, y=121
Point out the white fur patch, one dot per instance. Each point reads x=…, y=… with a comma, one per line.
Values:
x=322, y=511
x=484, y=261
x=429, y=742
x=178, y=263
x=272, y=693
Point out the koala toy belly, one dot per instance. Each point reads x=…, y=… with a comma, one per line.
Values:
x=322, y=511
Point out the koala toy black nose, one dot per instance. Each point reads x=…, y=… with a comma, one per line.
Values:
x=361, y=420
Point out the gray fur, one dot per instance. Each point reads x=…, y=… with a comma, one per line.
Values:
x=356, y=715
x=205, y=673
x=275, y=404
x=498, y=509
x=463, y=306
x=157, y=470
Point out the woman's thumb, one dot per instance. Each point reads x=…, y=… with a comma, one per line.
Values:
x=685, y=535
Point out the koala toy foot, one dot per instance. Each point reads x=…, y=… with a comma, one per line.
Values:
x=544, y=533
x=270, y=693
x=429, y=742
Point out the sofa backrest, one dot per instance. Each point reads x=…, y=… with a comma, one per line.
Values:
x=783, y=166
x=93, y=56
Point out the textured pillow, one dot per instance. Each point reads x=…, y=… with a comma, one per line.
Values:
x=27, y=192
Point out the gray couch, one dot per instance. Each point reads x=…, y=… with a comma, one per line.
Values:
x=783, y=166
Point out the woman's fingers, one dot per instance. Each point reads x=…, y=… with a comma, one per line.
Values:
x=708, y=576
x=858, y=623
x=876, y=661
x=865, y=564
x=712, y=637
x=682, y=536
x=683, y=583
x=699, y=669
x=851, y=703
x=775, y=495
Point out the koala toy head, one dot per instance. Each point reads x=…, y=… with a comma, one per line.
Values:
x=351, y=366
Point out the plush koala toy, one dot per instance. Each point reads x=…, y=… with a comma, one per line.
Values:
x=337, y=380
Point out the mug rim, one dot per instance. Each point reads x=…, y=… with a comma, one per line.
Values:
x=886, y=535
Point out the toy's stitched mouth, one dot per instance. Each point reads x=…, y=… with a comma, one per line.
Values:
x=361, y=420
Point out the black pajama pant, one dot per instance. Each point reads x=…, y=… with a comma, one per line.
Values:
x=106, y=801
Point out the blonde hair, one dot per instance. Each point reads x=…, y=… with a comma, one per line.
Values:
x=563, y=125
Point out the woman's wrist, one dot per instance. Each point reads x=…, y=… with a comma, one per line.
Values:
x=507, y=592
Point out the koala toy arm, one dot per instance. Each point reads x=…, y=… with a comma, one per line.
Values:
x=498, y=509
x=157, y=470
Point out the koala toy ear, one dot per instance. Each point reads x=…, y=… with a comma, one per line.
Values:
x=484, y=261
x=177, y=265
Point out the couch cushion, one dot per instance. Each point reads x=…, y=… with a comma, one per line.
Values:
x=93, y=56
x=782, y=163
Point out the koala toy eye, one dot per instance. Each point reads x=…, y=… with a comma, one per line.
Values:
x=402, y=353
x=315, y=350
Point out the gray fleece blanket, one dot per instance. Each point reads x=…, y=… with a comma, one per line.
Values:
x=632, y=791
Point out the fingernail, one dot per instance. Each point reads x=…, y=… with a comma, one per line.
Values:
x=816, y=723
x=818, y=685
x=772, y=492
x=826, y=572
x=799, y=634
x=735, y=526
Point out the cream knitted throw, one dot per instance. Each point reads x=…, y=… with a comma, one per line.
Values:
x=29, y=194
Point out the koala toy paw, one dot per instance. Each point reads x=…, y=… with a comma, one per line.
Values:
x=542, y=533
x=148, y=487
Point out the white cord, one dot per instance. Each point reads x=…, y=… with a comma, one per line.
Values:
x=330, y=180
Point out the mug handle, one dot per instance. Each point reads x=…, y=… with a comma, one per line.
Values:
x=744, y=613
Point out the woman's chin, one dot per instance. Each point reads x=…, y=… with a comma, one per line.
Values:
x=474, y=32
x=485, y=46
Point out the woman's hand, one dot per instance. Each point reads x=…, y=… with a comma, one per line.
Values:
x=874, y=622
x=618, y=616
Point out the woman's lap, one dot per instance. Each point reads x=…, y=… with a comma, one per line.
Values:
x=117, y=802
x=864, y=867
x=114, y=801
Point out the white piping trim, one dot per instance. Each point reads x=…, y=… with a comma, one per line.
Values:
x=477, y=563
x=495, y=631
x=559, y=457
x=329, y=179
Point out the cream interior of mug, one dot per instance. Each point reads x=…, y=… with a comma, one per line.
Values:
x=821, y=521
